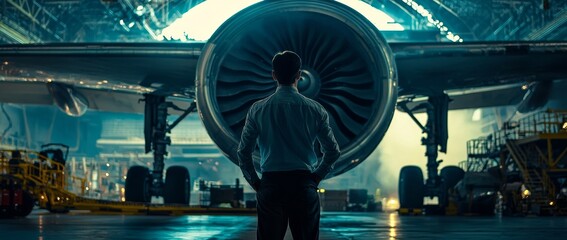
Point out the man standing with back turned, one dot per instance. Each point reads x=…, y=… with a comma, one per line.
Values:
x=286, y=125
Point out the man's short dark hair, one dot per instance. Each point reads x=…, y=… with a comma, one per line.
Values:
x=286, y=64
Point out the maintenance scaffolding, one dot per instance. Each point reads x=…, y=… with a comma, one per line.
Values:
x=532, y=151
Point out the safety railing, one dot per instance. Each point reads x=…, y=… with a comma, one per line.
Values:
x=481, y=154
x=548, y=122
x=545, y=122
x=482, y=151
x=35, y=170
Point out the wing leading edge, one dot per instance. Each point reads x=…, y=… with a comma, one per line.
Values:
x=491, y=71
x=112, y=76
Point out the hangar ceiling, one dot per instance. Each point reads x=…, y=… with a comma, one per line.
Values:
x=37, y=21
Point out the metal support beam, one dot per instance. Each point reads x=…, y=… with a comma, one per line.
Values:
x=14, y=35
x=549, y=28
x=40, y=16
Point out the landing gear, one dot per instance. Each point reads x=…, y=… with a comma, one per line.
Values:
x=436, y=185
x=141, y=183
x=177, y=185
x=410, y=187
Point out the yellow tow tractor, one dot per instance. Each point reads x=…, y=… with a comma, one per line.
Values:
x=28, y=178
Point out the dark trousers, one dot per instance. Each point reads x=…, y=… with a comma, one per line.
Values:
x=288, y=197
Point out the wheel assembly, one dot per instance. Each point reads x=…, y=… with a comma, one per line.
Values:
x=137, y=187
x=177, y=185
x=450, y=176
x=410, y=187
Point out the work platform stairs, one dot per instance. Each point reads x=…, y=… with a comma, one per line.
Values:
x=517, y=141
x=542, y=190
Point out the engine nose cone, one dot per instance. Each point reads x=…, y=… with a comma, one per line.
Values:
x=309, y=84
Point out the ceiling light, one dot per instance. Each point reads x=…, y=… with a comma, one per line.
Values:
x=199, y=24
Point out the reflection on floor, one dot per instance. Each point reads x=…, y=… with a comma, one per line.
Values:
x=76, y=225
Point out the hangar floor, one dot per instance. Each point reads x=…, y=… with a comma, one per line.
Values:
x=76, y=225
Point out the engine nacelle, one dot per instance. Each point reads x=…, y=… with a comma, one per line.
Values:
x=347, y=67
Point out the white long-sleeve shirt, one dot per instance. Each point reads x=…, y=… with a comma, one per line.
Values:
x=286, y=126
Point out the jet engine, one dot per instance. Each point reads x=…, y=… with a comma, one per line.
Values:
x=347, y=67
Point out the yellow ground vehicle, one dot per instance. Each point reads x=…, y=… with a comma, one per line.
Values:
x=29, y=177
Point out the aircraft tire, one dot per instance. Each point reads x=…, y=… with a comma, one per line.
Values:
x=451, y=175
x=137, y=187
x=6, y=211
x=177, y=185
x=27, y=206
x=410, y=188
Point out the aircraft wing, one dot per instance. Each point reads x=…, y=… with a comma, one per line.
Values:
x=110, y=76
x=474, y=74
x=479, y=74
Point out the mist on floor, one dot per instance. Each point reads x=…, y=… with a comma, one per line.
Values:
x=401, y=146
